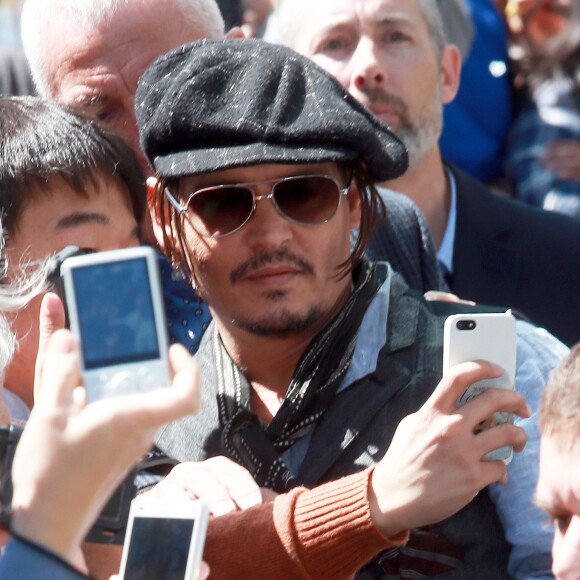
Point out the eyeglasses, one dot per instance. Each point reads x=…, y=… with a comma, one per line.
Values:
x=223, y=209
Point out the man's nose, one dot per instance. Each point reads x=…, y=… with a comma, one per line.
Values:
x=267, y=228
x=368, y=68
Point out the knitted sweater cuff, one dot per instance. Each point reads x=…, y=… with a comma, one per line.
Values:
x=334, y=532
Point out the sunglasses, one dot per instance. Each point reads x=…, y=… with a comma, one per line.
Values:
x=221, y=210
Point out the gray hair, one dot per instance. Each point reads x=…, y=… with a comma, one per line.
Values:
x=14, y=295
x=86, y=14
x=289, y=16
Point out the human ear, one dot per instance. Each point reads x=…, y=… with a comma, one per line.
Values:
x=354, y=205
x=450, y=72
x=162, y=229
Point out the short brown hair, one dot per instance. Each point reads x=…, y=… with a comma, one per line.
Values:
x=560, y=410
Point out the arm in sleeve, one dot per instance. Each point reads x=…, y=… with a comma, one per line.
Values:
x=23, y=559
x=324, y=532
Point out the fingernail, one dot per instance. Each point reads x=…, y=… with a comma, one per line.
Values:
x=251, y=500
x=223, y=507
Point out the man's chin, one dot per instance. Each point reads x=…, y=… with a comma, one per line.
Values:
x=283, y=325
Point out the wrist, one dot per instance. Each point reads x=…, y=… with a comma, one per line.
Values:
x=386, y=515
x=45, y=528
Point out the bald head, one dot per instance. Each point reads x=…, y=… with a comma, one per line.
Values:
x=91, y=53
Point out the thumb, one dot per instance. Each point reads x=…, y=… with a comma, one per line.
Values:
x=51, y=319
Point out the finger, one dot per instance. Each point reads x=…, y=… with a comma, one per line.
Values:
x=203, y=571
x=203, y=485
x=493, y=472
x=456, y=380
x=492, y=400
x=499, y=436
x=153, y=409
x=61, y=373
x=179, y=358
x=438, y=296
x=240, y=485
x=167, y=490
x=51, y=319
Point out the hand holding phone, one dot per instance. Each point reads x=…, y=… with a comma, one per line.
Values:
x=164, y=540
x=490, y=337
x=115, y=308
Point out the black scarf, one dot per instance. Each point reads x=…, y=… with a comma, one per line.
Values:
x=314, y=383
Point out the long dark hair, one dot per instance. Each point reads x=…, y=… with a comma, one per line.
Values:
x=175, y=244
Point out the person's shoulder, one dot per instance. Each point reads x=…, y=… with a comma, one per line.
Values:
x=398, y=202
x=522, y=217
x=537, y=348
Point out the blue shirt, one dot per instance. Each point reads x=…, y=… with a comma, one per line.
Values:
x=23, y=560
x=538, y=352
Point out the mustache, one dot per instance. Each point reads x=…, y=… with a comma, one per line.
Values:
x=379, y=95
x=265, y=257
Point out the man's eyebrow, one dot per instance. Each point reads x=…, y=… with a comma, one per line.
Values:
x=88, y=100
x=391, y=19
x=80, y=218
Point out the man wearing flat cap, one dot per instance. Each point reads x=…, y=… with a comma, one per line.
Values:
x=264, y=165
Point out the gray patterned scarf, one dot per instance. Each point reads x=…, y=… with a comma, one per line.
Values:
x=314, y=383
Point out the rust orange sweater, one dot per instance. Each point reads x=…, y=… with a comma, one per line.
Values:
x=322, y=533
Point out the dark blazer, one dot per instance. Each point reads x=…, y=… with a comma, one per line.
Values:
x=403, y=239
x=507, y=253
x=359, y=423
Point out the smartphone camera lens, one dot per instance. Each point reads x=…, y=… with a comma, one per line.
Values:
x=465, y=324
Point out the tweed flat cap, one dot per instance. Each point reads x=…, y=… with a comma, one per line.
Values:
x=213, y=105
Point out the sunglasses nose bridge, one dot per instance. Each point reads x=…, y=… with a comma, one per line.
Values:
x=267, y=196
x=258, y=198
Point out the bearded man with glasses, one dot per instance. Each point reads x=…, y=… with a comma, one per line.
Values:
x=264, y=163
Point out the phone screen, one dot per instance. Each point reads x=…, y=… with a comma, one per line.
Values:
x=159, y=548
x=115, y=313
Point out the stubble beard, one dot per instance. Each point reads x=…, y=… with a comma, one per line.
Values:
x=284, y=324
x=421, y=134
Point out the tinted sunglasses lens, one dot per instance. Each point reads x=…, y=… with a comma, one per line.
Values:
x=220, y=211
x=308, y=200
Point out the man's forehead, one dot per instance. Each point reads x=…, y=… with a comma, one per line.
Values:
x=358, y=16
x=559, y=478
x=89, y=61
x=368, y=12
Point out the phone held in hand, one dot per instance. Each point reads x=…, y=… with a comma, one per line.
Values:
x=115, y=306
x=490, y=337
x=164, y=540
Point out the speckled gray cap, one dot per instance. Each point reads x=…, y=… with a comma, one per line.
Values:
x=213, y=105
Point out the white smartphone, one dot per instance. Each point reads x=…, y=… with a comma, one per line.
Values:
x=164, y=541
x=115, y=308
x=491, y=337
